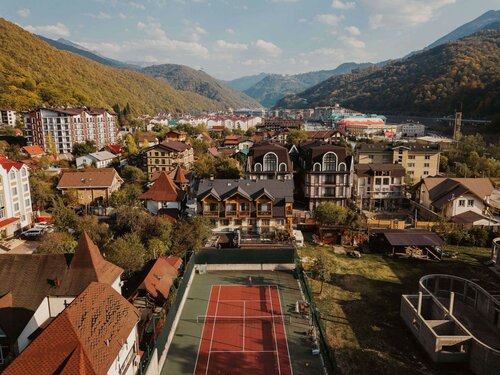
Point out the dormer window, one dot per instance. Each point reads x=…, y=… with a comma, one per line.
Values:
x=270, y=162
x=330, y=162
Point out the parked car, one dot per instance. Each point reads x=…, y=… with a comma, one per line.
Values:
x=33, y=233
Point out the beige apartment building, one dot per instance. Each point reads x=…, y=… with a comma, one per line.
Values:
x=419, y=161
x=167, y=155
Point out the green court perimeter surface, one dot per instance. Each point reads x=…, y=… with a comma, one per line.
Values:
x=181, y=357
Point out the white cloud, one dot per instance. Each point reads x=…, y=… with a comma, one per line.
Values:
x=57, y=30
x=223, y=45
x=253, y=62
x=133, y=4
x=375, y=21
x=267, y=47
x=329, y=19
x=404, y=12
x=343, y=5
x=230, y=31
x=99, y=16
x=23, y=12
x=285, y=1
x=353, y=30
x=102, y=46
x=352, y=42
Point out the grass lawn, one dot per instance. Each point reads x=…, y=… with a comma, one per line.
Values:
x=362, y=303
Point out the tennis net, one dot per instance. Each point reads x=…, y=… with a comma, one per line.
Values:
x=286, y=318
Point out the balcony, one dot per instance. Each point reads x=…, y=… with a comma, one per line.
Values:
x=229, y=213
x=267, y=213
x=244, y=213
x=211, y=213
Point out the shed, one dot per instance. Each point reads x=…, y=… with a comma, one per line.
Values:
x=397, y=241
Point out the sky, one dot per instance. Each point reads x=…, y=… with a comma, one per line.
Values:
x=233, y=38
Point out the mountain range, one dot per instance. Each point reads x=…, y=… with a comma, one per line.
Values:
x=33, y=73
x=184, y=78
x=463, y=73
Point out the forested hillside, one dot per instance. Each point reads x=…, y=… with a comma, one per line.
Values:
x=33, y=73
x=464, y=73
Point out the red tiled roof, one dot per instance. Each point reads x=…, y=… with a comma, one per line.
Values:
x=34, y=150
x=115, y=149
x=163, y=190
x=160, y=278
x=84, y=339
x=178, y=175
x=8, y=164
x=5, y=222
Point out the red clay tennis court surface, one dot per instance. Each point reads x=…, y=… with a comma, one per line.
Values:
x=243, y=332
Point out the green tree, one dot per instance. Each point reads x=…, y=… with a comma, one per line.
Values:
x=51, y=145
x=297, y=136
x=57, y=243
x=41, y=190
x=322, y=269
x=131, y=220
x=130, y=145
x=227, y=168
x=98, y=232
x=128, y=196
x=64, y=217
x=155, y=249
x=80, y=149
x=190, y=234
x=204, y=167
x=329, y=213
x=128, y=252
x=132, y=174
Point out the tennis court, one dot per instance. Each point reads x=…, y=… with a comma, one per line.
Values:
x=226, y=327
x=244, y=328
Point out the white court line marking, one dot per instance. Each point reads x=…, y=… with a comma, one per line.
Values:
x=274, y=329
x=202, y=331
x=284, y=330
x=241, y=351
x=213, y=330
x=244, y=325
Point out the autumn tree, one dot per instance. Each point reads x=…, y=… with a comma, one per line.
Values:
x=56, y=243
x=297, y=136
x=127, y=252
x=329, y=213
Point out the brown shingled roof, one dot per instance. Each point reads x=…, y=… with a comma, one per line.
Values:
x=178, y=175
x=163, y=190
x=84, y=339
x=159, y=279
x=102, y=177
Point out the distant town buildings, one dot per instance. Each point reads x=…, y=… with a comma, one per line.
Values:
x=277, y=124
x=100, y=159
x=58, y=129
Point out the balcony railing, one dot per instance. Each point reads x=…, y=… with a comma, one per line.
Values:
x=230, y=213
x=244, y=213
x=264, y=212
x=210, y=213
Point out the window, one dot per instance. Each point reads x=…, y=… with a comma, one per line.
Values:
x=16, y=206
x=270, y=162
x=27, y=203
x=265, y=222
x=426, y=165
x=244, y=206
x=411, y=157
x=14, y=191
x=461, y=203
x=427, y=157
x=411, y=165
x=386, y=180
x=342, y=167
x=470, y=203
x=330, y=162
x=12, y=175
x=25, y=187
x=258, y=167
x=279, y=222
x=23, y=172
x=282, y=167
x=426, y=173
x=317, y=167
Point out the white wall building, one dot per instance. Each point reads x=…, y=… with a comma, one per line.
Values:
x=8, y=117
x=15, y=197
x=102, y=159
x=412, y=130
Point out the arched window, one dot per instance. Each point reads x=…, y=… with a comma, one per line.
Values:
x=317, y=167
x=342, y=167
x=282, y=167
x=258, y=167
x=270, y=162
x=330, y=162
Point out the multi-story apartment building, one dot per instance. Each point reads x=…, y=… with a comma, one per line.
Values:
x=8, y=117
x=379, y=186
x=412, y=130
x=279, y=124
x=269, y=161
x=248, y=205
x=61, y=128
x=327, y=174
x=167, y=155
x=419, y=161
x=15, y=197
